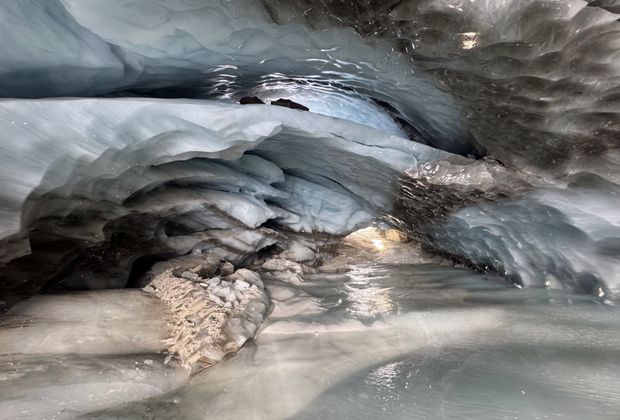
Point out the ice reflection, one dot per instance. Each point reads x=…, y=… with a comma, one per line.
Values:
x=385, y=376
x=445, y=344
x=367, y=299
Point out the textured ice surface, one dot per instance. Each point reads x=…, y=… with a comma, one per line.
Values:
x=85, y=50
x=533, y=83
x=402, y=341
x=170, y=173
x=111, y=149
x=214, y=309
x=538, y=78
x=551, y=238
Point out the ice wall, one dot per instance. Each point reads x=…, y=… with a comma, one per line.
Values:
x=229, y=46
x=533, y=83
x=538, y=79
x=555, y=238
x=170, y=174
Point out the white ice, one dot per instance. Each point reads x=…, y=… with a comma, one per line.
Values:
x=179, y=157
x=61, y=356
x=80, y=48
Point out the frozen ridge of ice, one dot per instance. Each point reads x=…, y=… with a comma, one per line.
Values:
x=553, y=237
x=220, y=165
x=78, y=48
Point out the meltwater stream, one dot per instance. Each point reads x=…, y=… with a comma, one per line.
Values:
x=411, y=342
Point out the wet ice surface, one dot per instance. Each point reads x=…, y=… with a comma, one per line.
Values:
x=423, y=342
x=64, y=355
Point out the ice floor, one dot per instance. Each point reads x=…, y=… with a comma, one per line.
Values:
x=411, y=342
x=65, y=355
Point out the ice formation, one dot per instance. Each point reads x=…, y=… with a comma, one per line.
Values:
x=466, y=134
x=171, y=174
x=119, y=176
x=82, y=52
x=214, y=308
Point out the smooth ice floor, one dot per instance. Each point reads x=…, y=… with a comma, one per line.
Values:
x=64, y=355
x=411, y=342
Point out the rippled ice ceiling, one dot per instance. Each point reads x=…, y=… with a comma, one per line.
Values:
x=488, y=130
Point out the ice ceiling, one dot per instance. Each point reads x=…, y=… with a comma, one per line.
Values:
x=488, y=130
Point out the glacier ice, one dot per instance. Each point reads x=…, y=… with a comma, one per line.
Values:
x=459, y=135
x=187, y=167
x=551, y=238
x=163, y=170
x=147, y=45
x=537, y=79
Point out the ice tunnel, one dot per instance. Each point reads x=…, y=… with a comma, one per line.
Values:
x=309, y=209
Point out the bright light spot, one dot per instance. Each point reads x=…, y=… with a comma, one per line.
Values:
x=469, y=40
x=373, y=239
x=378, y=243
x=386, y=376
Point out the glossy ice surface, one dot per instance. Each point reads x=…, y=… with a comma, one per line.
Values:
x=64, y=355
x=421, y=342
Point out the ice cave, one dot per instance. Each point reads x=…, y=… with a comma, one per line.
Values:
x=310, y=209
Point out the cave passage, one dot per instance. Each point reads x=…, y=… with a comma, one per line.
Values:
x=309, y=209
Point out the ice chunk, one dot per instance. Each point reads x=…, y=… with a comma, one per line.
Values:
x=298, y=252
x=241, y=285
x=223, y=292
x=215, y=281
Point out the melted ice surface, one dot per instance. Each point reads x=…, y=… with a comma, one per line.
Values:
x=402, y=341
x=62, y=356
